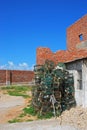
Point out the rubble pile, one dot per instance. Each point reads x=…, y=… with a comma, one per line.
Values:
x=54, y=90
x=76, y=117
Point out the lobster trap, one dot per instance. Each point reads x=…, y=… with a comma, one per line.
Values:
x=54, y=88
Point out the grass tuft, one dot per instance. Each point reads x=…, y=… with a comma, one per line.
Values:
x=14, y=120
x=46, y=116
x=29, y=110
x=18, y=90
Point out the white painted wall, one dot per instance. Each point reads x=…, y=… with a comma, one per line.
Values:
x=84, y=81
x=78, y=93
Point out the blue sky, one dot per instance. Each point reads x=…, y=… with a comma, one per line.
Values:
x=28, y=24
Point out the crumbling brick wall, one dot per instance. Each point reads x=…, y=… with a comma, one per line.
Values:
x=43, y=54
x=46, y=53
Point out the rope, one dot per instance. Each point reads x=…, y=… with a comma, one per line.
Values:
x=53, y=100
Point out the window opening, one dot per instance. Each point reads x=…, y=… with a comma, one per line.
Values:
x=81, y=37
x=79, y=85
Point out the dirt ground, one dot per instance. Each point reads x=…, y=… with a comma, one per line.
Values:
x=11, y=106
x=51, y=124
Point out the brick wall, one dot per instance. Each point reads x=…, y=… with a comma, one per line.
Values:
x=76, y=47
x=43, y=54
x=46, y=53
x=2, y=76
x=75, y=31
x=15, y=76
x=21, y=76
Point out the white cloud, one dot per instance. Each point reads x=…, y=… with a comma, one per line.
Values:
x=32, y=67
x=10, y=63
x=3, y=67
x=21, y=66
x=24, y=66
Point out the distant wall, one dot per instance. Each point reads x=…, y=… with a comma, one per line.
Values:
x=2, y=77
x=15, y=77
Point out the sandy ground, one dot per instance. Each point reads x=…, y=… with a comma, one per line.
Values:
x=37, y=125
x=10, y=107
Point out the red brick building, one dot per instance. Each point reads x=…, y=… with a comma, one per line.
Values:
x=76, y=45
x=75, y=57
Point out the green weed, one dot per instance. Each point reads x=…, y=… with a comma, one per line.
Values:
x=46, y=116
x=14, y=120
x=14, y=93
x=29, y=120
x=18, y=90
x=29, y=110
x=22, y=115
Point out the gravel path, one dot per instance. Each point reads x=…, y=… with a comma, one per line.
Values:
x=37, y=125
